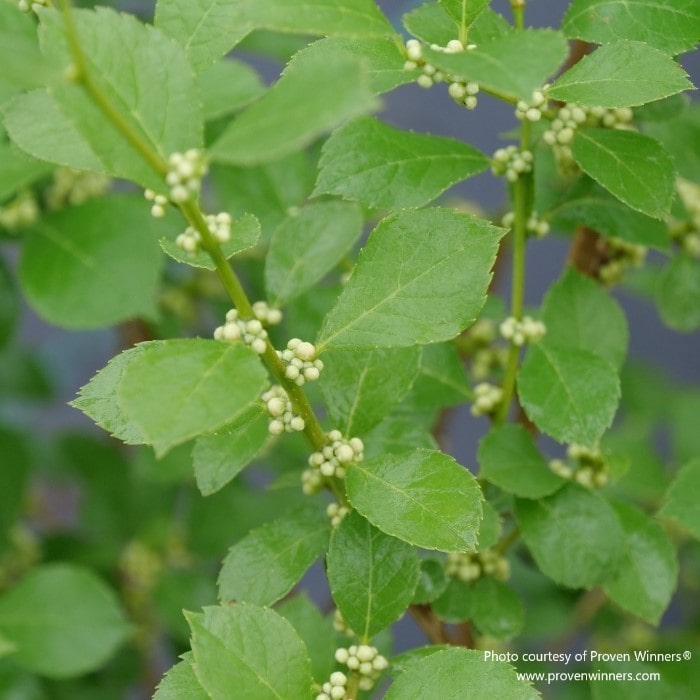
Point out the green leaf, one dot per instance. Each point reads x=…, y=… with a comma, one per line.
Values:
x=397, y=433
x=207, y=29
x=678, y=293
x=219, y=457
x=672, y=26
x=388, y=168
x=14, y=479
x=265, y=565
x=301, y=106
x=454, y=604
x=362, y=387
x=495, y=608
x=145, y=76
x=509, y=458
x=574, y=536
x=243, y=651
x=568, y=393
x=180, y=683
x=178, y=389
x=431, y=23
x=9, y=304
x=412, y=287
x=23, y=66
x=461, y=673
x=675, y=135
x=681, y=502
x=537, y=53
x=612, y=218
x=623, y=74
x=17, y=170
x=372, y=576
x=579, y=313
x=400, y=663
x=72, y=257
x=432, y=581
x=245, y=234
x=98, y=398
x=307, y=246
x=489, y=25
x=63, y=620
x=647, y=577
x=633, y=167
x=227, y=86
x=422, y=496
x=53, y=138
x=315, y=630
x=464, y=12
x=491, y=527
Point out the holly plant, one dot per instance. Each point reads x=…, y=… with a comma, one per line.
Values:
x=298, y=333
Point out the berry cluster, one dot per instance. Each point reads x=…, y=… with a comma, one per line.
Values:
x=688, y=235
x=460, y=91
x=219, y=226
x=332, y=461
x=30, y=5
x=266, y=314
x=75, y=187
x=486, y=358
x=250, y=331
x=160, y=201
x=470, y=567
x=282, y=418
x=300, y=366
x=618, y=257
x=525, y=330
x=335, y=688
x=185, y=173
x=511, y=162
x=336, y=513
x=339, y=624
x=535, y=226
x=532, y=110
x=487, y=398
x=589, y=468
x=365, y=661
x=22, y=211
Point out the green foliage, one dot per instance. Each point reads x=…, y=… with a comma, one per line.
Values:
x=399, y=312
x=62, y=621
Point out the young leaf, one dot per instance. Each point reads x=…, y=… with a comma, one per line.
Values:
x=537, y=53
x=568, y=393
x=574, y=536
x=672, y=26
x=207, y=29
x=226, y=87
x=145, y=76
x=304, y=103
x=678, y=293
x=509, y=458
x=423, y=497
x=244, y=651
x=431, y=23
x=464, y=12
x=53, y=138
x=495, y=608
x=179, y=389
x=265, y=565
x=611, y=218
x=388, y=168
x=98, y=398
x=411, y=286
x=362, y=387
x=647, y=577
x=245, y=234
x=372, y=576
x=623, y=74
x=71, y=257
x=681, y=502
x=219, y=457
x=578, y=313
x=63, y=621
x=461, y=673
x=633, y=167
x=307, y=246
x=180, y=683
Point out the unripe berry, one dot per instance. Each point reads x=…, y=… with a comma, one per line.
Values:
x=365, y=653
x=342, y=655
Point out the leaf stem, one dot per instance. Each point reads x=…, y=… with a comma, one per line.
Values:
x=518, y=7
x=353, y=687
x=193, y=214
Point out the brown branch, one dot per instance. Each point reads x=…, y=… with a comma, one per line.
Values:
x=432, y=626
